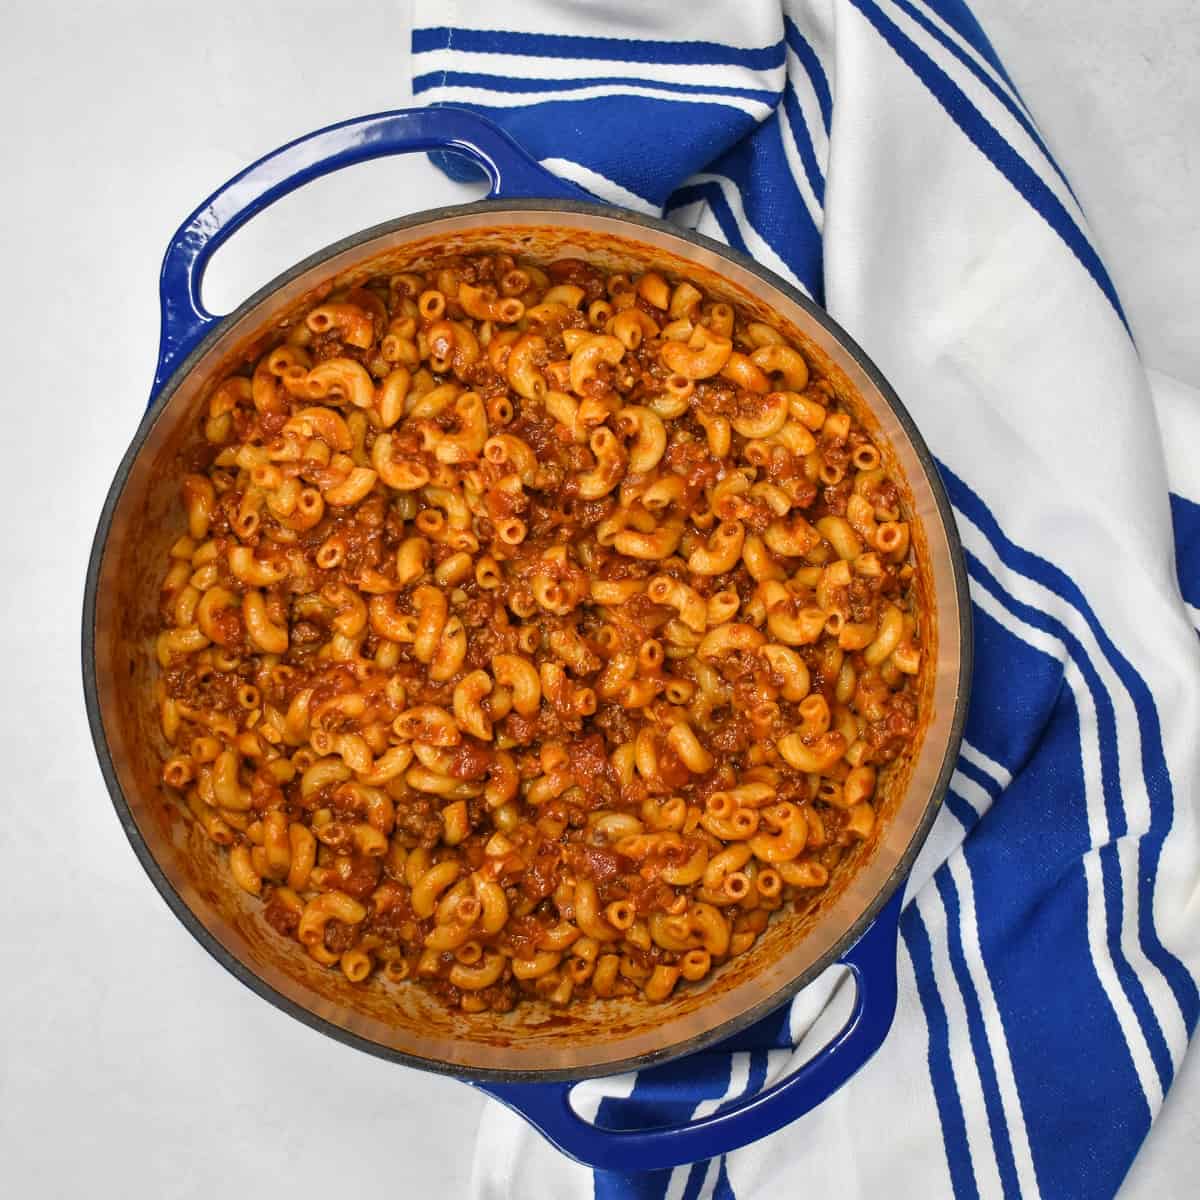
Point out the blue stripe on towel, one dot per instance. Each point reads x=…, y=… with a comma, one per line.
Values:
x=777, y=214
x=976, y=775
x=1185, y=519
x=962, y=20
x=1005, y=98
x=803, y=142
x=963, y=812
x=941, y=1072
x=813, y=69
x=712, y=195
x=994, y=147
x=978, y=1034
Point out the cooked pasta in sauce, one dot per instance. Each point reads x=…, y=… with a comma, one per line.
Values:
x=537, y=631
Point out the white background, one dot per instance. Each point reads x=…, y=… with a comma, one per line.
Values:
x=129, y=1062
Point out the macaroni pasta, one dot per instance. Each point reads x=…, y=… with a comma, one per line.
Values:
x=535, y=631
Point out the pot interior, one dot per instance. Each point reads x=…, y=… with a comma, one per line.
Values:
x=144, y=516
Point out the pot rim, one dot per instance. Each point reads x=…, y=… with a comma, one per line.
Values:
x=710, y=1037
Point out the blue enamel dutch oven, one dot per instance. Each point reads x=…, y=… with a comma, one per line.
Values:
x=528, y=1059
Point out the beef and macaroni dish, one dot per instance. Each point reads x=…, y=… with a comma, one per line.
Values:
x=536, y=631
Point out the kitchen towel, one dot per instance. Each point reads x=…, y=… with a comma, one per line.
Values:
x=876, y=155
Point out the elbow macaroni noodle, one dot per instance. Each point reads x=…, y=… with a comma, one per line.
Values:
x=535, y=632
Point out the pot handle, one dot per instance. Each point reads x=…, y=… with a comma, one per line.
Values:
x=513, y=174
x=872, y=959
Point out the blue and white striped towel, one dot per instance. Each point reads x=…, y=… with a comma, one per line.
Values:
x=876, y=154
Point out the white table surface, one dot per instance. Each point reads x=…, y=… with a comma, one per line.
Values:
x=130, y=1064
